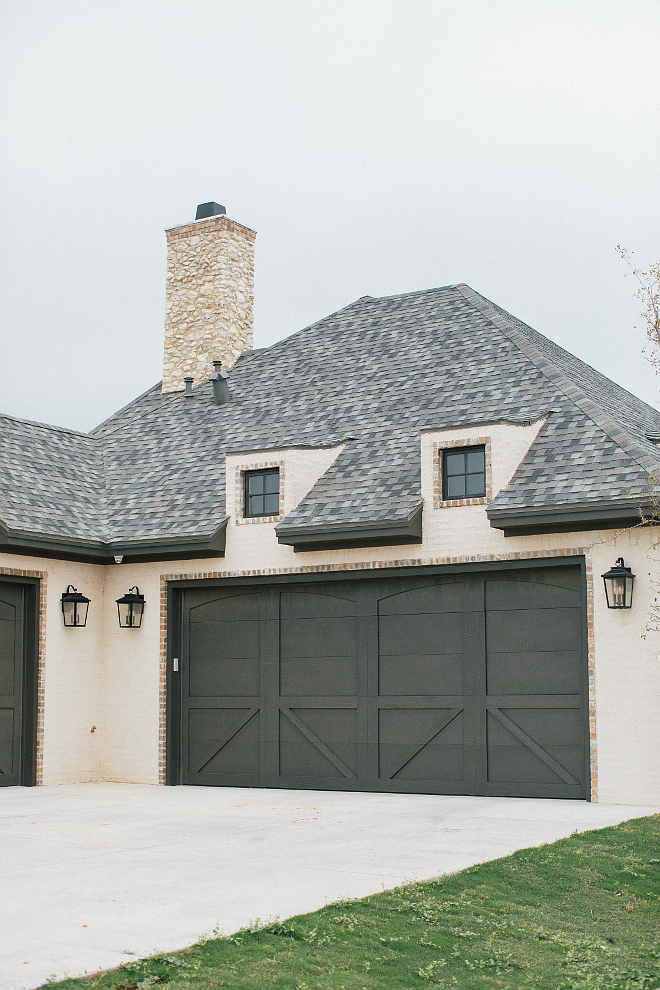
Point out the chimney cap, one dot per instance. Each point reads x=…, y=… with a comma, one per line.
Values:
x=205, y=210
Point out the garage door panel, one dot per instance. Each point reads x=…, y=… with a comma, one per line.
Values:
x=558, y=672
x=235, y=639
x=7, y=650
x=244, y=606
x=318, y=742
x=533, y=630
x=422, y=633
x=318, y=637
x=213, y=677
x=311, y=605
x=523, y=593
x=318, y=676
x=217, y=746
x=418, y=744
x=412, y=674
x=7, y=613
x=6, y=742
x=436, y=598
x=553, y=751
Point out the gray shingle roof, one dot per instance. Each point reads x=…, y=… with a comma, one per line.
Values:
x=373, y=374
x=52, y=480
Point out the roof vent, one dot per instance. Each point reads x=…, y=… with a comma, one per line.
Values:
x=188, y=394
x=205, y=210
x=219, y=378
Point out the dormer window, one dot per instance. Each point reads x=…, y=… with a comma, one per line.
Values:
x=463, y=473
x=261, y=493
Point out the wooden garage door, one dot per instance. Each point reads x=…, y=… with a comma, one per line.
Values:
x=456, y=684
x=11, y=683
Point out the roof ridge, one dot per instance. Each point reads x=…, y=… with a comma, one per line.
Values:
x=48, y=426
x=124, y=408
x=360, y=301
x=104, y=511
x=603, y=419
x=415, y=292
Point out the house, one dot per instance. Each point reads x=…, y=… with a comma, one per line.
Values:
x=370, y=558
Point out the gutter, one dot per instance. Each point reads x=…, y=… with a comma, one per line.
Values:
x=569, y=517
x=338, y=536
x=101, y=552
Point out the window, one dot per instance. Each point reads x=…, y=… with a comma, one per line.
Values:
x=262, y=493
x=464, y=473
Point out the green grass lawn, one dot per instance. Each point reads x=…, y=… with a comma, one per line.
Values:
x=581, y=914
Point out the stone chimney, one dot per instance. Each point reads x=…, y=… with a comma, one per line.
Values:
x=209, y=296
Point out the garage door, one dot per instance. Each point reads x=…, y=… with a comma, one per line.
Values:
x=11, y=682
x=451, y=684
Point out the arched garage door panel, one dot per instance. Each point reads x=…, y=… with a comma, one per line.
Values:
x=470, y=684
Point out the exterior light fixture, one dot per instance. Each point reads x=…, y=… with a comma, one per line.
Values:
x=130, y=608
x=618, y=583
x=74, y=607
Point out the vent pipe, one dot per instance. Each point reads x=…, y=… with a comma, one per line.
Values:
x=219, y=378
x=188, y=394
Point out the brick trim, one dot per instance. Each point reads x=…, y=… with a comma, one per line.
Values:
x=438, y=447
x=376, y=565
x=41, y=660
x=241, y=469
x=162, y=684
x=209, y=225
x=591, y=664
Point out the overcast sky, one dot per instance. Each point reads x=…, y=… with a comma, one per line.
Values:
x=376, y=146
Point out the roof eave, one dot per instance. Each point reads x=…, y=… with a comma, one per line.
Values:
x=101, y=552
x=570, y=517
x=338, y=536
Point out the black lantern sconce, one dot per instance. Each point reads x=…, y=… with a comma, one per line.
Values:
x=618, y=583
x=130, y=608
x=74, y=607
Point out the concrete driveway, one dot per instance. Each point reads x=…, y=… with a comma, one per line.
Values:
x=92, y=874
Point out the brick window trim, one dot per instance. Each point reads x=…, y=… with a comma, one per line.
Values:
x=441, y=445
x=241, y=470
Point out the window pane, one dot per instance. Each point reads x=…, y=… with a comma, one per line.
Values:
x=475, y=461
x=475, y=484
x=454, y=463
x=272, y=504
x=255, y=484
x=272, y=482
x=256, y=505
x=456, y=487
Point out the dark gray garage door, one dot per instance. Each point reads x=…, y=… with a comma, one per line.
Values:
x=455, y=684
x=11, y=682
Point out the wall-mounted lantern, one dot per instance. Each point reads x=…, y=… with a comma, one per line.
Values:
x=74, y=607
x=130, y=608
x=618, y=583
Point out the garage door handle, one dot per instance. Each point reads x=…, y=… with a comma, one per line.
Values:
x=175, y=663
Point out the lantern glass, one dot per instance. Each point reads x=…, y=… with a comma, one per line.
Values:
x=74, y=608
x=618, y=583
x=130, y=608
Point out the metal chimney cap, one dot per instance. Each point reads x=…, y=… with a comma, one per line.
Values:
x=205, y=210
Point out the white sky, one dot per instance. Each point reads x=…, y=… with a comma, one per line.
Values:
x=377, y=146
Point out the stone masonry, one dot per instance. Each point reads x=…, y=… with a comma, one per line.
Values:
x=210, y=295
